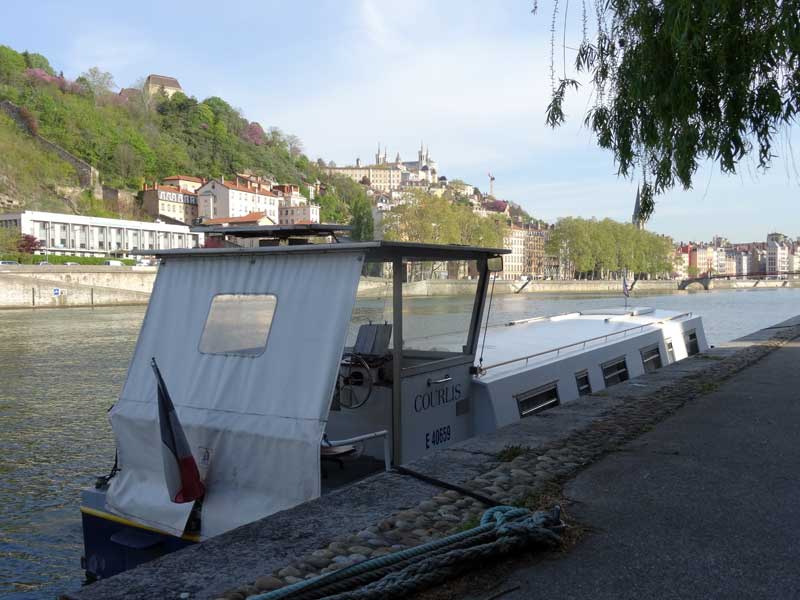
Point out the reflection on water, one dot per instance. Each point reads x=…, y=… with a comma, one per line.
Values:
x=60, y=371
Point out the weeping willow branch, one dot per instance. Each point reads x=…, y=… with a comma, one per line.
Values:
x=681, y=82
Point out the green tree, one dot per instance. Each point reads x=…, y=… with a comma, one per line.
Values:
x=361, y=220
x=431, y=219
x=332, y=209
x=9, y=241
x=37, y=61
x=12, y=65
x=681, y=82
x=601, y=249
x=100, y=82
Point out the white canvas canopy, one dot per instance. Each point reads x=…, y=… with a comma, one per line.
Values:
x=249, y=347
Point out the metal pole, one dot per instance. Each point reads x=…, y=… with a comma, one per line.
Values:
x=397, y=358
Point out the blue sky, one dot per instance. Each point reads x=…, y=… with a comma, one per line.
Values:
x=471, y=79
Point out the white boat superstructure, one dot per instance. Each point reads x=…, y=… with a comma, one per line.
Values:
x=532, y=364
x=277, y=408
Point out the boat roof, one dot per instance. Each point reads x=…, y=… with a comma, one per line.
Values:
x=547, y=338
x=275, y=231
x=374, y=251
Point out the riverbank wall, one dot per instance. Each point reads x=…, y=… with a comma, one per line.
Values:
x=115, y=281
x=18, y=291
x=519, y=464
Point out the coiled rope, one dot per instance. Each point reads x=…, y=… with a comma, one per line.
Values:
x=503, y=529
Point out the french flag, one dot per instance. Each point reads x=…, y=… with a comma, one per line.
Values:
x=180, y=468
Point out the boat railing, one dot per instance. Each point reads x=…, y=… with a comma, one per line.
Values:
x=387, y=457
x=582, y=344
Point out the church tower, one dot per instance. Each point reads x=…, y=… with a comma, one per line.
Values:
x=636, y=219
x=378, y=155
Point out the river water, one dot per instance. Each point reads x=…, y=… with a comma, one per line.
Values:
x=60, y=370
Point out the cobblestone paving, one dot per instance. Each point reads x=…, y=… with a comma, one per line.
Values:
x=527, y=474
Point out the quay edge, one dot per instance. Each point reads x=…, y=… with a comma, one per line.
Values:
x=393, y=508
x=32, y=286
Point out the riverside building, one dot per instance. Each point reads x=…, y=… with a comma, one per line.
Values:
x=80, y=235
x=170, y=201
x=218, y=198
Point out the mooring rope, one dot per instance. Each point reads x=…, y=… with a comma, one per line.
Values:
x=503, y=529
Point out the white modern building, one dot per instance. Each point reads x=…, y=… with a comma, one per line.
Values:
x=79, y=235
x=218, y=198
x=743, y=263
x=777, y=260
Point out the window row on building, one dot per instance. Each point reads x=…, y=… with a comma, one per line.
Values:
x=96, y=236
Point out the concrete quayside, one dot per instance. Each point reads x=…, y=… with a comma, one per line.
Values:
x=28, y=286
x=729, y=410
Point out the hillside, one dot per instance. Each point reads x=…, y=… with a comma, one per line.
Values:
x=28, y=175
x=135, y=138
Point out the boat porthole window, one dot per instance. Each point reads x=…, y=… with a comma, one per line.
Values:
x=615, y=371
x=582, y=381
x=651, y=358
x=238, y=324
x=538, y=399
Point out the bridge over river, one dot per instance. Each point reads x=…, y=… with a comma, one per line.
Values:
x=744, y=280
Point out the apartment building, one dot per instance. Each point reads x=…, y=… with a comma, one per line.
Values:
x=218, y=198
x=514, y=264
x=80, y=235
x=170, y=201
x=184, y=182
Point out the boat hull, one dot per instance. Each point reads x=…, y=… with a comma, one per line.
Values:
x=113, y=544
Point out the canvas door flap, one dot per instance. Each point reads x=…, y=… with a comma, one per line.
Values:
x=242, y=408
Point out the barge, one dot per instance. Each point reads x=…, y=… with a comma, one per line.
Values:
x=283, y=391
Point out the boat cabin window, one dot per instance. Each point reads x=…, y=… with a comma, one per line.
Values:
x=692, y=347
x=582, y=381
x=670, y=351
x=431, y=325
x=615, y=371
x=539, y=399
x=238, y=324
x=651, y=359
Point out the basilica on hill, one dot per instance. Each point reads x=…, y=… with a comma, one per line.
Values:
x=386, y=175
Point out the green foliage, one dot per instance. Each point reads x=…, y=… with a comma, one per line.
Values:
x=9, y=242
x=332, y=209
x=12, y=65
x=147, y=138
x=53, y=259
x=675, y=83
x=512, y=451
x=99, y=82
x=362, y=221
x=37, y=61
x=27, y=173
x=432, y=219
x=596, y=249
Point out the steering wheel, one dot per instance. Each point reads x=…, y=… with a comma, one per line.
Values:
x=354, y=373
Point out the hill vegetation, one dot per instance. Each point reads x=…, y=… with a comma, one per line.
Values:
x=136, y=138
x=27, y=174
